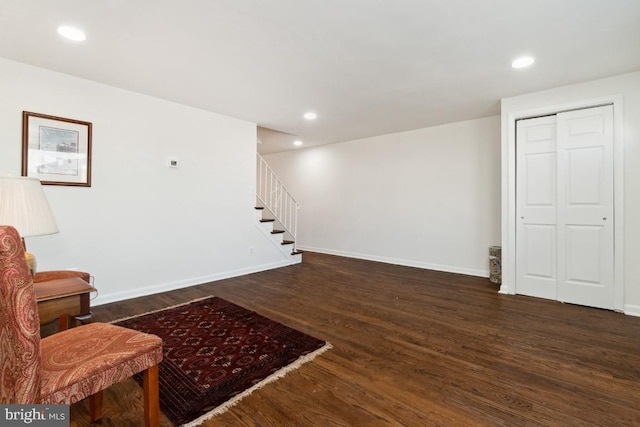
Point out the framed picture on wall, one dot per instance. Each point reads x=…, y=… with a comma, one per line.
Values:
x=56, y=150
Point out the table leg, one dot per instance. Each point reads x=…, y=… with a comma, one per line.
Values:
x=63, y=324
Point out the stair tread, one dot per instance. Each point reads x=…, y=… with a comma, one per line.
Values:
x=284, y=241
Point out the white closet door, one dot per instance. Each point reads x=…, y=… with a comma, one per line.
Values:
x=536, y=242
x=585, y=207
x=564, y=207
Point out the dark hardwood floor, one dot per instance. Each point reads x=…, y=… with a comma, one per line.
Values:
x=415, y=347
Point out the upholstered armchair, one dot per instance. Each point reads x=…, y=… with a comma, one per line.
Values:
x=69, y=366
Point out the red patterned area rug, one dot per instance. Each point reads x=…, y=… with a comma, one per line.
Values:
x=216, y=353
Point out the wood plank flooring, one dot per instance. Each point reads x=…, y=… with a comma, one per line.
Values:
x=414, y=347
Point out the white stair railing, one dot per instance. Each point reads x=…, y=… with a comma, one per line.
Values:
x=275, y=197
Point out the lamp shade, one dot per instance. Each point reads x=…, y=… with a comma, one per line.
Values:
x=24, y=206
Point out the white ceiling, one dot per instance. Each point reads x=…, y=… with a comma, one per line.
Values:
x=367, y=67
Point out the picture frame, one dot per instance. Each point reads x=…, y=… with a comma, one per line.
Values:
x=56, y=150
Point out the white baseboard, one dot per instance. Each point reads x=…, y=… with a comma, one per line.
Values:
x=403, y=262
x=504, y=289
x=632, y=310
x=170, y=286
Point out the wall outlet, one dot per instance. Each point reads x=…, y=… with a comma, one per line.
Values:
x=172, y=163
x=252, y=250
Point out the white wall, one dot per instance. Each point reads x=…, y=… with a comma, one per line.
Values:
x=628, y=87
x=427, y=198
x=142, y=227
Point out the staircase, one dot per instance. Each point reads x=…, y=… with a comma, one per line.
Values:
x=277, y=210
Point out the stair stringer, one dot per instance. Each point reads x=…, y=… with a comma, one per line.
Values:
x=277, y=239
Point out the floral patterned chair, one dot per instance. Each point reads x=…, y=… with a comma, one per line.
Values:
x=69, y=366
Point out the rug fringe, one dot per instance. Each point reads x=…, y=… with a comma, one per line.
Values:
x=271, y=378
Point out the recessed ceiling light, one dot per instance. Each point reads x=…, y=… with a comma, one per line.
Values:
x=72, y=33
x=523, y=62
x=310, y=115
x=297, y=143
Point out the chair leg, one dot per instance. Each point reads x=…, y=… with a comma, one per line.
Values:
x=95, y=406
x=151, y=397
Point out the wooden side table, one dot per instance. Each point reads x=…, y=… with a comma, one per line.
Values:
x=61, y=298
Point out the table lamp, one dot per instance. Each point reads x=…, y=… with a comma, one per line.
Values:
x=24, y=206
